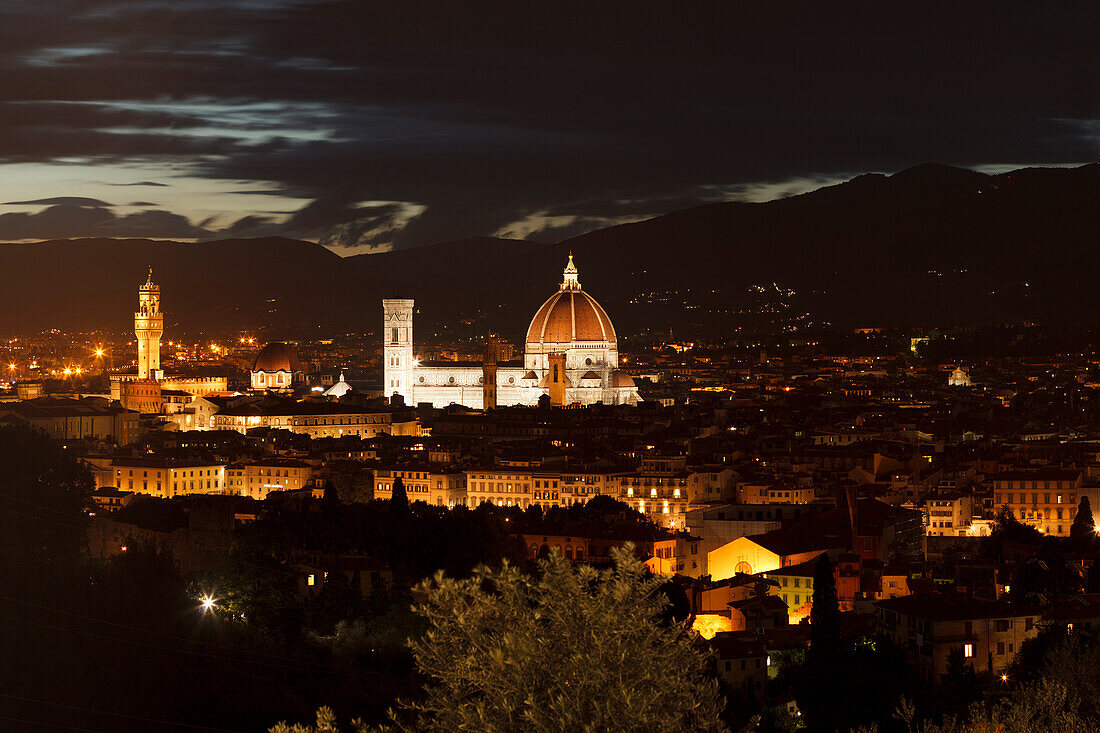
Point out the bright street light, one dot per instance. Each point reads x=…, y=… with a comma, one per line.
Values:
x=207, y=603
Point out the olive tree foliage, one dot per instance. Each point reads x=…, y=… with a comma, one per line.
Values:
x=572, y=649
x=1044, y=706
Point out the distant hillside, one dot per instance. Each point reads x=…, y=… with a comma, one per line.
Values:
x=931, y=244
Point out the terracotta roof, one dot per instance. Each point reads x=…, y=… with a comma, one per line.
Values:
x=737, y=645
x=936, y=607
x=620, y=378
x=570, y=315
x=275, y=357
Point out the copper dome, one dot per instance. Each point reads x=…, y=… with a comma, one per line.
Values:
x=570, y=315
x=621, y=379
x=276, y=357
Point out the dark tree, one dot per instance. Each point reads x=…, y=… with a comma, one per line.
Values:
x=488, y=666
x=820, y=690
x=1093, y=582
x=960, y=683
x=44, y=493
x=1084, y=527
x=825, y=613
x=1013, y=530
x=399, y=500
x=330, y=503
x=678, y=608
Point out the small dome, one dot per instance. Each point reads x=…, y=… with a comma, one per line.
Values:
x=276, y=357
x=530, y=375
x=620, y=378
x=590, y=375
x=339, y=389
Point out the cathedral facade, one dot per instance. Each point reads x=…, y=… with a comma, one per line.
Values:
x=571, y=354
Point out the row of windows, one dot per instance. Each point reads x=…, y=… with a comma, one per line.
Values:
x=665, y=507
x=420, y=488
x=729, y=667
x=145, y=474
x=653, y=493
x=1032, y=484
x=1011, y=499
x=175, y=485
x=795, y=582
x=1058, y=513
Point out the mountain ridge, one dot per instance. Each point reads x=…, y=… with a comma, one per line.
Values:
x=931, y=244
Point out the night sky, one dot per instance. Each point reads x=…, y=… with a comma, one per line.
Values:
x=369, y=126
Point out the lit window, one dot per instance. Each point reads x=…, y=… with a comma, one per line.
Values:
x=968, y=650
x=311, y=579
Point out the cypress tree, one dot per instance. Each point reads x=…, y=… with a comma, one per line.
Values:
x=820, y=690
x=825, y=613
x=1084, y=527
x=399, y=499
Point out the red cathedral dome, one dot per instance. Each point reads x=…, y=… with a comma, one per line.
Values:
x=570, y=315
x=277, y=357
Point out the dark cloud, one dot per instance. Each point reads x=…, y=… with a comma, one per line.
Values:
x=67, y=222
x=494, y=114
x=60, y=201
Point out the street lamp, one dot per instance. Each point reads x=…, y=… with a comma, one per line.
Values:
x=207, y=603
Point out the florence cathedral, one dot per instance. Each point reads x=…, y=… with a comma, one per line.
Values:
x=571, y=355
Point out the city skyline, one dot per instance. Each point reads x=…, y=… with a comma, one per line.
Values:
x=648, y=366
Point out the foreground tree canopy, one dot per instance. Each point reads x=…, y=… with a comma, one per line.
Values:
x=573, y=649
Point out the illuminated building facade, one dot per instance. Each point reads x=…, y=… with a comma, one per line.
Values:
x=1045, y=499
x=160, y=477
x=437, y=485
x=315, y=419
x=571, y=354
x=988, y=634
x=258, y=479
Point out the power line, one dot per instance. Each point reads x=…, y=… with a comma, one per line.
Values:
x=181, y=650
x=175, y=637
x=48, y=725
x=36, y=505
